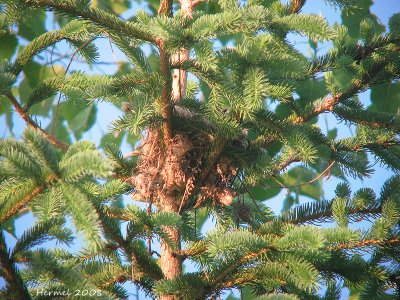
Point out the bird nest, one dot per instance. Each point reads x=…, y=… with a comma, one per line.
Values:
x=176, y=171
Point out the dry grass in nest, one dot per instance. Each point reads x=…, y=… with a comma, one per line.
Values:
x=175, y=172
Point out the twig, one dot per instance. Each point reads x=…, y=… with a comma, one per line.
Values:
x=65, y=73
x=195, y=2
x=18, y=108
x=305, y=183
x=133, y=153
x=155, y=253
x=364, y=243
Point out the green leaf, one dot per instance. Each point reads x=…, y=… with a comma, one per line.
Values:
x=24, y=90
x=8, y=44
x=33, y=26
x=110, y=138
x=289, y=202
x=299, y=176
x=261, y=194
x=310, y=90
x=60, y=131
x=43, y=108
x=352, y=16
x=36, y=73
x=9, y=226
x=332, y=134
x=5, y=105
x=394, y=24
x=79, y=115
x=116, y=6
x=386, y=98
x=83, y=120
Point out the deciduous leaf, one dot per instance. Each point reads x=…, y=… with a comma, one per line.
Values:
x=386, y=98
x=300, y=176
x=8, y=44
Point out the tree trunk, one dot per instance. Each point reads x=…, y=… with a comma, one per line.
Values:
x=171, y=264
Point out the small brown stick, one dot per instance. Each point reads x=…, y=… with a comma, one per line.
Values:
x=65, y=73
x=24, y=115
x=133, y=153
x=305, y=183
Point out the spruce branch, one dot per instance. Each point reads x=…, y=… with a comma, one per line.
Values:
x=369, y=118
x=24, y=115
x=104, y=215
x=366, y=243
x=95, y=15
x=318, y=212
x=28, y=198
x=330, y=103
x=296, y=5
x=14, y=281
x=356, y=52
x=284, y=164
x=223, y=280
x=36, y=46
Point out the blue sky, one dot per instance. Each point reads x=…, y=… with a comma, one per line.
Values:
x=383, y=9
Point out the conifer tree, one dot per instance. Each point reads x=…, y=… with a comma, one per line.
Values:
x=211, y=144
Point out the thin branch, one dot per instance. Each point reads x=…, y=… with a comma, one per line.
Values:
x=329, y=103
x=283, y=165
x=28, y=198
x=195, y=2
x=365, y=243
x=65, y=73
x=24, y=115
x=308, y=182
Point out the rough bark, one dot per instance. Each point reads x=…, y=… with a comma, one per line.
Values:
x=171, y=264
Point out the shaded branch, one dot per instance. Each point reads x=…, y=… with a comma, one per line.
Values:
x=16, y=285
